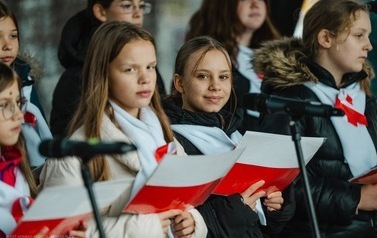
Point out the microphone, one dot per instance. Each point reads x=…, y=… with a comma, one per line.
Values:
x=268, y=104
x=85, y=149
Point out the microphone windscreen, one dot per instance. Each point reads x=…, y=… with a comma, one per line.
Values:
x=51, y=148
x=255, y=102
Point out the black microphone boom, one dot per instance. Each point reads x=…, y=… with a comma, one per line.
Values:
x=85, y=149
x=267, y=104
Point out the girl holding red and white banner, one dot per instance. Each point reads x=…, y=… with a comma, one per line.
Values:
x=329, y=66
x=17, y=183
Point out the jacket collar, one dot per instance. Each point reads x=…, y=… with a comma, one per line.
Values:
x=224, y=120
x=283, y=63
x=325, y=77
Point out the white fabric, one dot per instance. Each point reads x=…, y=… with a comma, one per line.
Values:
x=244, y=57
x=58, y=172
x=8, y=195
x=358, y=147
x=26, y=91
x=213, y=140
x=306, y=5
x=146, y=134
x=209, y=140
x=34, y=135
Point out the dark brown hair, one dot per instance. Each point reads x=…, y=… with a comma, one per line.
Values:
x=89, y=9
x=219, y=19
x=6, y=12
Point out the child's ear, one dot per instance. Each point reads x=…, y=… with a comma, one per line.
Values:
x=325, y=38
x=178, y=83
x=99, y=12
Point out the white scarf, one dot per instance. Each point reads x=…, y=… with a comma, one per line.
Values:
x=245, y=54
x=13, y=196
x=359, y=151
x=213, y=140
x=146, y=134
x=209, y=140
x=34, y=134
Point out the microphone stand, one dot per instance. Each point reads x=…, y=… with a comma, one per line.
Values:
x=85, y=173
x=296, y=137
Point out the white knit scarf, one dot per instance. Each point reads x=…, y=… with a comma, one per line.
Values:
x=9, y=196
x=213, y=140
x=146, y=134
x=359, y=150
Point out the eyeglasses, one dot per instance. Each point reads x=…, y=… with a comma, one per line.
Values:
x=129, y=7
x=9, y=108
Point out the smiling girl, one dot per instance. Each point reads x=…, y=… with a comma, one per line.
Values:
x=241, y=26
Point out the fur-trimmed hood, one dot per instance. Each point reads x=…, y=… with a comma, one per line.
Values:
x=283, y=63
x=26, y=65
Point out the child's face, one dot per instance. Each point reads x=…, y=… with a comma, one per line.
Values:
x=133, y=76
x=10, y=125
x=349, y=51
x=8, y=41
x=119, y=11
x=208, y=88
x=252, y=13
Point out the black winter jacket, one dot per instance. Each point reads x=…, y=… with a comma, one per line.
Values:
x=335, y=199
x=242, y=87
x=227, y=216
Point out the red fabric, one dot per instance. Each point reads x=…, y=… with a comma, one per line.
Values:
x=11, y=157
x=353, y=117
x=349, y=99
x=160, y=152
x=163, y=150
x=260, y=76
x=30, y=118
x=17, y=210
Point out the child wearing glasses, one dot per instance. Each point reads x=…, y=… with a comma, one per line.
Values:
x=73, y=45
x=120, y=103
x=35, y=127
x=17, y=184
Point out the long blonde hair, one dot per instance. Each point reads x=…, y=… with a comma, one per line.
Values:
x=105, y=45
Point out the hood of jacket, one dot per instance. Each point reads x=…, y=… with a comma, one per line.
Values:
x=283, y=64
x=26, y=65
x=75, y=39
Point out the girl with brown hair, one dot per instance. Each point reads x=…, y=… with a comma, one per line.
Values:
x=119, y=103
x=328, y=65
x=241, y=26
